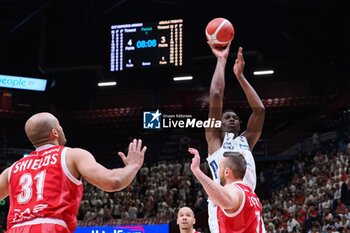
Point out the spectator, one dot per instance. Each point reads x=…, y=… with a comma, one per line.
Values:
x=293, y=225
x=341, y=207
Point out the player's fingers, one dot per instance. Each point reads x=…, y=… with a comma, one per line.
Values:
x=196, y=154
x=132, y=145
x=228, y=46
x=193, y=160
x=193, y=151
x=240, y=53
x=138, y=145
x=210, y=45
x=122, y=155
x=144, y=149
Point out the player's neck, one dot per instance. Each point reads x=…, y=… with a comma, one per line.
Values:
x=37, y=142
x=190, y=230
x=235, y=133
x=232, y=180
x=45, y=143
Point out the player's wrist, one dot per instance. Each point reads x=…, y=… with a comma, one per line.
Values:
x=135, y=165
x=222, y=60
x=196, y=170
x=240, y=76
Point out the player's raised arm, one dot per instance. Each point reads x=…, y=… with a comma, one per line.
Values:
x=216, y=94
x=228, y=198
x=109, y=180
x=256, y=119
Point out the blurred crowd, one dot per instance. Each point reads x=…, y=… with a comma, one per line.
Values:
x=315, y=197
x=156, y=195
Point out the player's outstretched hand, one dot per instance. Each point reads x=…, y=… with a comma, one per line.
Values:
x=220, y=52
x=135, y=154
x=238, y=67
x=195, y=160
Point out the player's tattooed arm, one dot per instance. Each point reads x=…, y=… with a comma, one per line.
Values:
x=209, y=186
x=219, y=194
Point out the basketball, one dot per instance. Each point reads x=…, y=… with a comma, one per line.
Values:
x=219, y=32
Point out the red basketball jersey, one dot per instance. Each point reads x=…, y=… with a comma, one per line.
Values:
x=42, y=190
x=247, y=218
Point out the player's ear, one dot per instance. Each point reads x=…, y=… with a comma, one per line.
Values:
x=228, y=171
x=53, y=134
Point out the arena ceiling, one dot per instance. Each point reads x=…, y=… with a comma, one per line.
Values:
x=66, y=42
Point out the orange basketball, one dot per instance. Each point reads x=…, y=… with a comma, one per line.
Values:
x=219, y=32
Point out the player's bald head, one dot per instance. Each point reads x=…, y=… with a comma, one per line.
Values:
x=186, y=210
x=39, y=126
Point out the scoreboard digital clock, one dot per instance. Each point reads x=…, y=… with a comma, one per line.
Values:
x=142, y=45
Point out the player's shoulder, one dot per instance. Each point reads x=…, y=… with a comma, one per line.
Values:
x=241, y=137
x=76, y=150
x=235, y=185
x=245, y=187
x=78, y=153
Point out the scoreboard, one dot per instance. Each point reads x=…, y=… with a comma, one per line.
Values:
x=143, y=45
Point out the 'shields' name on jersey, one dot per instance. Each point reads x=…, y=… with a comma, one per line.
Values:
x=35, y=163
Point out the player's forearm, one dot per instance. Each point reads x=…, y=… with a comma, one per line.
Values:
x=215, y=191
x=122, y=177
x=217, y=85
x=253, y=99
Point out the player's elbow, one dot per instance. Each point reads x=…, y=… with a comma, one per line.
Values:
x=260, y=110
x=114, y=185
x=113, y=181
x=216, y=94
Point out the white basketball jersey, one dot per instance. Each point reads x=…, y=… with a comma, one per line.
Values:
x=239, y=144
